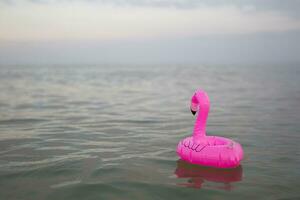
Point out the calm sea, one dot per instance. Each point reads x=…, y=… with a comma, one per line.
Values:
x=110, y=132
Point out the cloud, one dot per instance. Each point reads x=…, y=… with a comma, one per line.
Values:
x=279, y=5
x=142, y=19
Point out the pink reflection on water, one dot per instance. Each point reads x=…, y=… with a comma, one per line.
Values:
x=197, y=175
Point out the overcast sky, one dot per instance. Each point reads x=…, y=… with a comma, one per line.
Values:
x=146, y=31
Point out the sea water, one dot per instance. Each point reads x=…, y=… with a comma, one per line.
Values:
x=111, y=131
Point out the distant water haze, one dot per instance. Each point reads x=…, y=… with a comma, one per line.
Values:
x=262, y=48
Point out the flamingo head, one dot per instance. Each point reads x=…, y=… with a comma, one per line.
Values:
x=199, y=99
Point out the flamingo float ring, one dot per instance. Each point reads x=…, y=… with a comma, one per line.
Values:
x=212, y=151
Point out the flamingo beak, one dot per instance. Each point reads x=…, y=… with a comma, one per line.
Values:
x=193, y=112
x=193, y=107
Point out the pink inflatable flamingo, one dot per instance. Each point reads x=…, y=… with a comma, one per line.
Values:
x=205, y=150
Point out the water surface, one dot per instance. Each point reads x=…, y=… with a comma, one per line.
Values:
x=110, y=132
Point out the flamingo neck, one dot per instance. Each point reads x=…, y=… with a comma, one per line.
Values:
x=200, y=123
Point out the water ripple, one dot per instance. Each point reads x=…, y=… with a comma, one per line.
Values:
x=111, y=132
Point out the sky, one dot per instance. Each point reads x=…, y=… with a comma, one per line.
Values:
x=149, y=31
